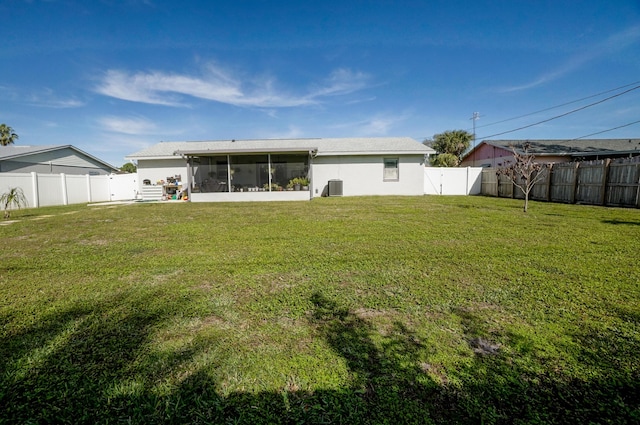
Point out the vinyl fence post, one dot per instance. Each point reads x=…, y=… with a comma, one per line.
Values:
x=88, y=188
x=63, y=181
x=34, y=187
x=466, y=189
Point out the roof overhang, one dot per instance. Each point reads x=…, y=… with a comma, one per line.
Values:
x=146, y=158
x=372, y=153
x=213, y=152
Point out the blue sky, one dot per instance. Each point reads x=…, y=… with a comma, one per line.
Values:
x=112, y=77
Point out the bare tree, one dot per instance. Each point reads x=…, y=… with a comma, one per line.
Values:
x=524, y=172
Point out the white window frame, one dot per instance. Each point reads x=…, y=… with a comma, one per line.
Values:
x=391, y=174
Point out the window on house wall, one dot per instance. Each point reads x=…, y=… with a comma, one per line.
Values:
x=391, y=170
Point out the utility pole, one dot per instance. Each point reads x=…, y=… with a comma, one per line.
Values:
x=474, y=118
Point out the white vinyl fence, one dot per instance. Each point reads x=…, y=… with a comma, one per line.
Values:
x=452, y=181
x=43, y=190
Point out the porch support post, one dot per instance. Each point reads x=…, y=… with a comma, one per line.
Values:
x=269, y=165
x=310, y=175
x=229, y=173
x=189, y=180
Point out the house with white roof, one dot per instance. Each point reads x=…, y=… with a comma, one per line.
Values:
x=282, y=169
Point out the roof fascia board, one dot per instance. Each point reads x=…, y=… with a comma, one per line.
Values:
x=152, y=157
x=594, y=153
x=372, y=153
x=209, y=152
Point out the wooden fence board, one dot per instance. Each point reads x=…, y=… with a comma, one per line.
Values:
x=563, y=182
x=540, y=191
x=505, y=187
x=603, y=182
x=489, y=182
x=623, y=185
x=590, y=189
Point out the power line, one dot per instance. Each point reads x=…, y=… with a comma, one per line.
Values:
x=607, y=130
x=558, y=106
x=563, y=115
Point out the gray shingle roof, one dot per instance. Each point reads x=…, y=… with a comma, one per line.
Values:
x=575, y=147
x=13, y=151
x=17, y=151
x=322, y=146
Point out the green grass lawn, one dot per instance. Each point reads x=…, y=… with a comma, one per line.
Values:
x=339, y=310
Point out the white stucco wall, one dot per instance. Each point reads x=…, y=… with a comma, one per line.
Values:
x=363, y=175
x=159, y=169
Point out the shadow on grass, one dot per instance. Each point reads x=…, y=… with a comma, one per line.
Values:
x=83, y=362
x=623, y=222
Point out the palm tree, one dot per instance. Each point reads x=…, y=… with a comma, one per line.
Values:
x=451, y=142
x=14, y=198
x=7, y=135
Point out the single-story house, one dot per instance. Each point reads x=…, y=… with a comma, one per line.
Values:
x=495, y=153
x=53, y=159
x=268, y=169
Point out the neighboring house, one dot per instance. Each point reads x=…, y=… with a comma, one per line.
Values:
x=495, y=153
x=237, y=170
x=57, y=159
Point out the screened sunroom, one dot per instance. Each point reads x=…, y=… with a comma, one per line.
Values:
x=244, y=175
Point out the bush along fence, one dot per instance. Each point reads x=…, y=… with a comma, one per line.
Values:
x=42, y=190
x=606, y=182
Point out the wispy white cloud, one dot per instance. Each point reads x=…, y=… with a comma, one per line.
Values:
x=139, y=87
x=613, y=44
x=377, y=125
x=132, y=126
x=363, y=100
x=114, y=149
x=341, y=81
x=292, y=132
x=215, y=84
x=113, y=3
x=58, y=103
x=47, y=98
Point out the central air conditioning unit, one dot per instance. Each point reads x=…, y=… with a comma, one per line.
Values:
x=335, y=188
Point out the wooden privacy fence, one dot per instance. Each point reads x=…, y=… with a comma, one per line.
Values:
x=607, y=182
